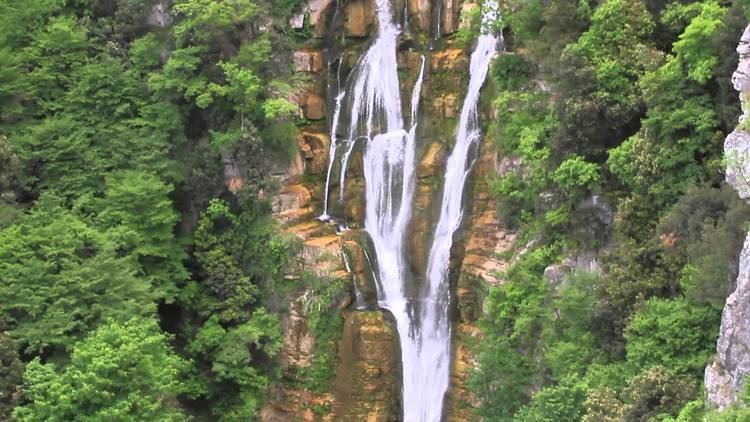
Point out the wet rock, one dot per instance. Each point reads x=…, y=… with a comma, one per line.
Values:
x=446, y=105
x=296, y=338
x=451, y=9
x=314, y=107
x=314, y=150
x=360, y=17
x=432, y=161
x=367, y=386
x=308, y=61
x=316, y=11
x=420, y=12
x=450, y=59
x=466, y=9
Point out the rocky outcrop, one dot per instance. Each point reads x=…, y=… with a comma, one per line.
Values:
x=316, y=11
x=367, y=380
x=310, y=61
x=484, y=260
x=737, y=157
x=724, y=376
x=586, y=262
x=360, y=17
x=420, y=12
x=449, y=23
x=159, y=14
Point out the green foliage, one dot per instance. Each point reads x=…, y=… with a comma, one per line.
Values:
x=104, y=118
x=672, y=334
x=552, y=404
x=230, y=355
x=11, y=375
x=138, y=214
x=122, y=371
x=319, y=303
x=62, y=277
x=656, y=394
x=575, y=173
x=694, y=47
x=238, y=255
x=709, y=226
x=510, y=71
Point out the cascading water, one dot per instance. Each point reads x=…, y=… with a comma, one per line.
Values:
x=389, y=164
x=429, y=372
x=332, y=153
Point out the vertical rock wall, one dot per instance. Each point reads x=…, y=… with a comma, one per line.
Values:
x=724, y=376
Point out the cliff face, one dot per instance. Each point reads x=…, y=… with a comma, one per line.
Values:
x=367, y=384
x=724, y=376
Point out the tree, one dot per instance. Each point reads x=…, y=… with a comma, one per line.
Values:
x=656, y=393
x=59, y=278
x=695, y=48
x=235, y=384
x=122, y=371
x=11, y=375
x=564, y=402
x=139, y=216
x=673, y=334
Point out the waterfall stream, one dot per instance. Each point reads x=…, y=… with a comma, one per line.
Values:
x=372, y=94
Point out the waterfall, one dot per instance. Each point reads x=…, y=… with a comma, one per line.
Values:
x=332, y=152
x=389, y=162
x=426, y=375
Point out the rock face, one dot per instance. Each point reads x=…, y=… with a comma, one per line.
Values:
x=317, y=11
x=420, y=10
x=360, y=16
x=737, y=156
x=483, y=248
x=159, y=15
x=367, y=380
x=724, y=376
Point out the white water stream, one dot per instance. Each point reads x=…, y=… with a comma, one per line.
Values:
x=373, y=96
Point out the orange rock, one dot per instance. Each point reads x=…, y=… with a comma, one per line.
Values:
x=314, y=107
x=307, y=61
x=449, y=59
x=360, y=16
x=419, y=11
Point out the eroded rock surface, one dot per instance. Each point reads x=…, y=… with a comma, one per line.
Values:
x=724, y=376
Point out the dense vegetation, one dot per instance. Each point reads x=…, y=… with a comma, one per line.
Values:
x=134, y=285
x=613, y=105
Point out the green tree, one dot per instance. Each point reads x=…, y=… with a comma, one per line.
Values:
x=673, y=334
x=11, y=375
x=122, y=371
x=139, y=216
x=59, y=278
x=236, y=385
x=564, y=402
x=655, y=394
